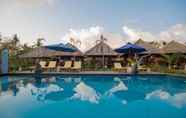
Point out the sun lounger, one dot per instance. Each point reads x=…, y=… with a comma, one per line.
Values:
x=142, y=68
x=77, y=65
x=118, y=67
x=67, y=66
x=51, y=65
x=43, y=64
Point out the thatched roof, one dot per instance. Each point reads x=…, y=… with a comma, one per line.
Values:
x=145, y=44
x=101, y=49
x=43, y=52
x=40, y=52
x=171, y=47
x=174, y=47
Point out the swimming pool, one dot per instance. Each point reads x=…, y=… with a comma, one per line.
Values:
x=86, y=96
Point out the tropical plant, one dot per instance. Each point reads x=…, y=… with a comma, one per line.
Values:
x=172, y=58
x=12, y=43
x=15, y=40
x=1, y=37
x=39, y=42
x=75, y=42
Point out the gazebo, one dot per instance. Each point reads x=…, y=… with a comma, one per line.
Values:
x=101, y=54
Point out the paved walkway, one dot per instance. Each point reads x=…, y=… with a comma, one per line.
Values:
x=83, y=73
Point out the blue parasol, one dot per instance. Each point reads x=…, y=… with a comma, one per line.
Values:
x=61, y=47
x=130, y=48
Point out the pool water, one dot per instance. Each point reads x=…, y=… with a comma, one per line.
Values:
x=141, y=96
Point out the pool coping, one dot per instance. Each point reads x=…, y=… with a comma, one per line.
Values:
x=103, y=73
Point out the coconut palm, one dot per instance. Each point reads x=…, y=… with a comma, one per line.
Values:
x=15, y=40
x=75, y=42
x=173, y=58
x=39, y=42
x=1, y=38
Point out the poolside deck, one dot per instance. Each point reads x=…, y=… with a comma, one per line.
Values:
x=84, y=73
x=99, y=73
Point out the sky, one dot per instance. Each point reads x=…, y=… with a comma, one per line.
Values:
x=119, y=21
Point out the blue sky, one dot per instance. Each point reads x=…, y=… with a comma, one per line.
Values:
x=52, y=19
x=153, y=15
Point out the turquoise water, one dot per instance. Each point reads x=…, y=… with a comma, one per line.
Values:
x=93, y=97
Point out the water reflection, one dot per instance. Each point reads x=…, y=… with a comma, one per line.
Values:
x=120, y=86
x=177, y=100
x=67, y=92
x=7, y=87
x=86, y=93
x=126, y=93
x=76, y=88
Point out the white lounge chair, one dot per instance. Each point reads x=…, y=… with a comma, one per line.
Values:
x=118, y=67
x=77, y=65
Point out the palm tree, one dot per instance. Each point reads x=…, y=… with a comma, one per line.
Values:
x=25, y=48
x=173, y=58
x=75, y=42
x=39, y=42
x=1, y=37
x=15, y=40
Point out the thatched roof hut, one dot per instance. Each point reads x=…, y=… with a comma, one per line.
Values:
x=145, y=44
x=42, y=52
x=101, y=49
x=171, y=47
x=174, y=47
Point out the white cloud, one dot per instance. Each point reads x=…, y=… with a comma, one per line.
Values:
x=176, y=32
x=89, y=36
x=83, y=38
x=134, y=35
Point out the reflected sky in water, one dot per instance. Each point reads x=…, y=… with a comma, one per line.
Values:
x=93, y=96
